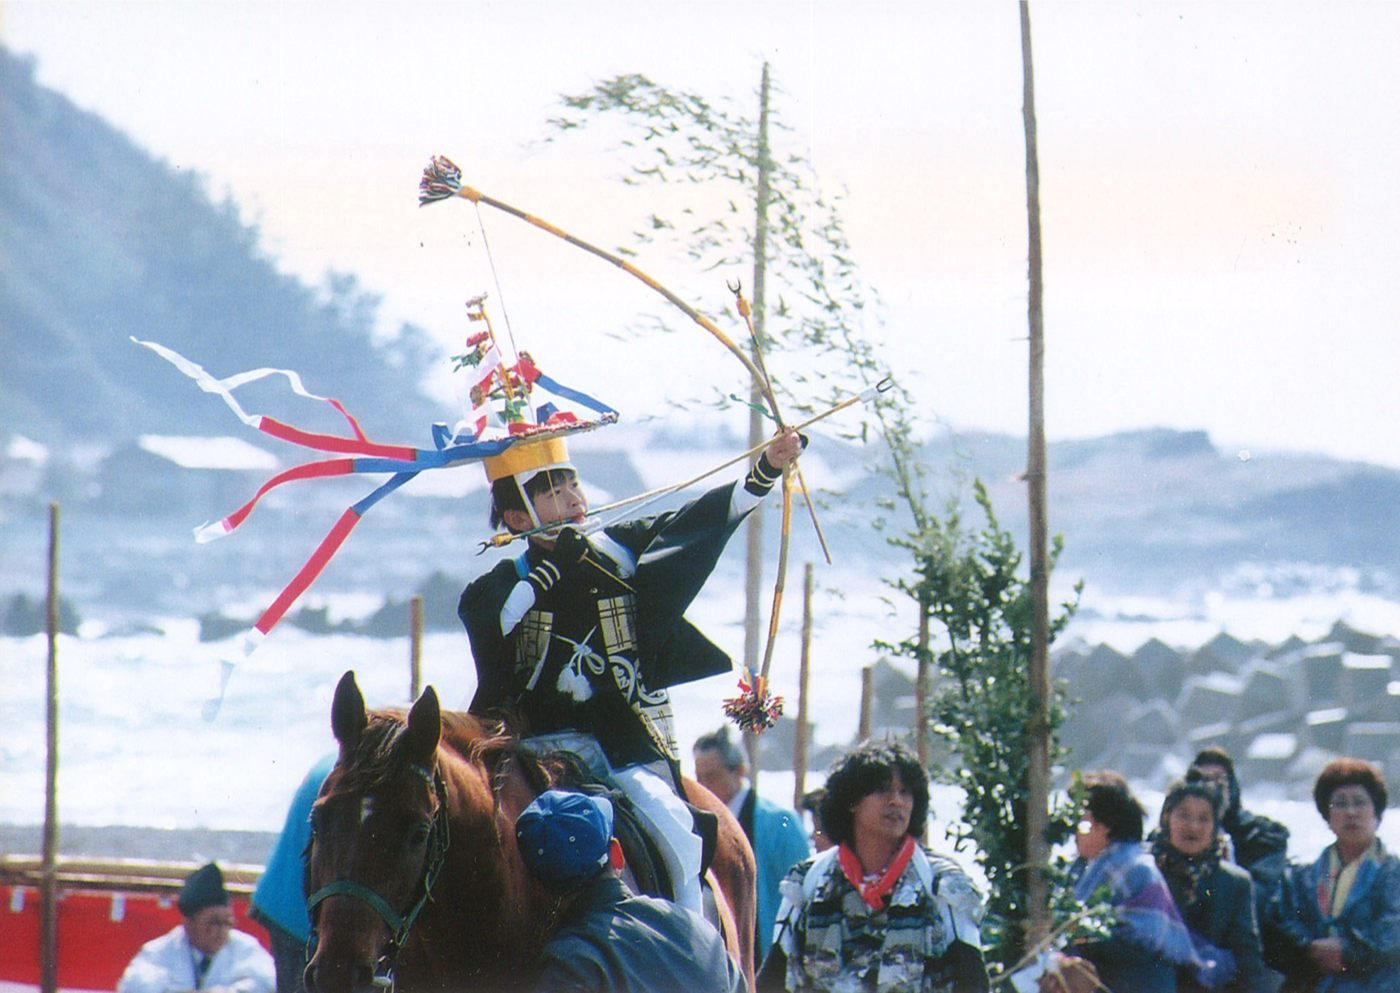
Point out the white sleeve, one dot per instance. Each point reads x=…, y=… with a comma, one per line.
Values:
x=741, y=501
x=144, y=976
x=242, y=966
x=517, y=605
x=161, y=966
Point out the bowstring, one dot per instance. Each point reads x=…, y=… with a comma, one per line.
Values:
x=495, y=278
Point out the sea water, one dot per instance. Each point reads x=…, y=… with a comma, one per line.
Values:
x=135, y=748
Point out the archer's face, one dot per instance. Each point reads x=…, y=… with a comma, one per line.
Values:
x=563, y=502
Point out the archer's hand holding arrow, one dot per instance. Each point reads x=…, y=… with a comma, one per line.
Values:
x=784, y=449
x=781, y=452
x=569, y=549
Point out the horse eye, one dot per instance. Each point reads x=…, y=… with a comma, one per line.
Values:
x=419, y=837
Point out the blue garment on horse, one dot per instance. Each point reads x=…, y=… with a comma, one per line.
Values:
x=280, y=895
x=613, y=941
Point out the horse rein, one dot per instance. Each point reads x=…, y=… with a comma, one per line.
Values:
x=399, y=925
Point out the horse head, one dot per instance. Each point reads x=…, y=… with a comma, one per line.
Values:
x=379, y=839
x=412, y=872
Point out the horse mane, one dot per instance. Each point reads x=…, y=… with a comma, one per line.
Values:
x=491, y=743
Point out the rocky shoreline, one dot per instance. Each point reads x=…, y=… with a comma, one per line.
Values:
x=126, y=842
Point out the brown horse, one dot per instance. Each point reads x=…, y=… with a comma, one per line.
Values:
x=414, y=876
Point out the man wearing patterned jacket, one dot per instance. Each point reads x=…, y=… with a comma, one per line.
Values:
x=877, y=913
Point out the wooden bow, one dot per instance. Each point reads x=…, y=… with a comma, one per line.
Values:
x=442, y=179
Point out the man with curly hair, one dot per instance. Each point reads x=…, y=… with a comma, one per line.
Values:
x=877, y=912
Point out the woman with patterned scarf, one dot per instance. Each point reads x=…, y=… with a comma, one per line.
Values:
x=1148, y=941
x=1214, y=897
x=876, y=913
x=1339, y=917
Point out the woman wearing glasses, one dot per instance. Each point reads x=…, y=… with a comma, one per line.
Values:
x=1338, y=919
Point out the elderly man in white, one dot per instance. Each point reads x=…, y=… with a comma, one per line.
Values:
x=203, y=953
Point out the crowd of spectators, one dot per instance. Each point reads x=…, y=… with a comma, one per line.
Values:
x=1205, y=897
x=1213, y=900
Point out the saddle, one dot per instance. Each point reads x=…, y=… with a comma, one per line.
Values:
x=639, y=848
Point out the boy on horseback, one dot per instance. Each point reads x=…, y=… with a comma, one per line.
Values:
x=582, y=634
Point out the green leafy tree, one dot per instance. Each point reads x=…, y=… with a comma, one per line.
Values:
x=736, y=192
x=970, y=583
x=717, y=163
x=721, y=171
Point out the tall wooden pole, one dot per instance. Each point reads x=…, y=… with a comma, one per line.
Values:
x=867, y=704
x=804, y=671
x=48, y=938
x=415, y=647
x=753, y=574
x=921, y=678
x=1038, y=775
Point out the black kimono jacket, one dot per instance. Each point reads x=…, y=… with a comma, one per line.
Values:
x=626, y=638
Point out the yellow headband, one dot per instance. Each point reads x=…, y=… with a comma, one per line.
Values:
x=528, y=457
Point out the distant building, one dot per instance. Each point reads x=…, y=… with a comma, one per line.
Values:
x=208, y=477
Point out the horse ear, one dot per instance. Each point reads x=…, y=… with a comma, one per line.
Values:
x=348, y=714
x=424, y=728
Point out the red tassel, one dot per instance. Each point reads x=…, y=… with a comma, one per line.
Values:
x=754, y=709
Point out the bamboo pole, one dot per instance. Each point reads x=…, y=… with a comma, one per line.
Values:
x=867, y=703
x=415, y=647
x=799, y=741
x=921, y=676
x=1038, y=774
x=48, y=937
x=753, y=548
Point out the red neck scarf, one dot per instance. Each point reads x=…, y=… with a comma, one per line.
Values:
x=874, y=893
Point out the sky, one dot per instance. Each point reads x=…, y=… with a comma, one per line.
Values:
x=1217, y=184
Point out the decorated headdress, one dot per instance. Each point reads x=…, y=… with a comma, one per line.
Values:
x=502, y=426
x=527, y=458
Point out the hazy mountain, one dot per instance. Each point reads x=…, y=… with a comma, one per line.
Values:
x=100, y=242
x=1150, y=509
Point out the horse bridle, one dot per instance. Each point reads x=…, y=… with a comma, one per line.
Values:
x=398, y=924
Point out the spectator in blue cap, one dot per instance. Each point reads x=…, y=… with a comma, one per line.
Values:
x=609, y=938
x=565, y=838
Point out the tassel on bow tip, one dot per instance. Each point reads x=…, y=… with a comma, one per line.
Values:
x=754, y=709
x=441, y=179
